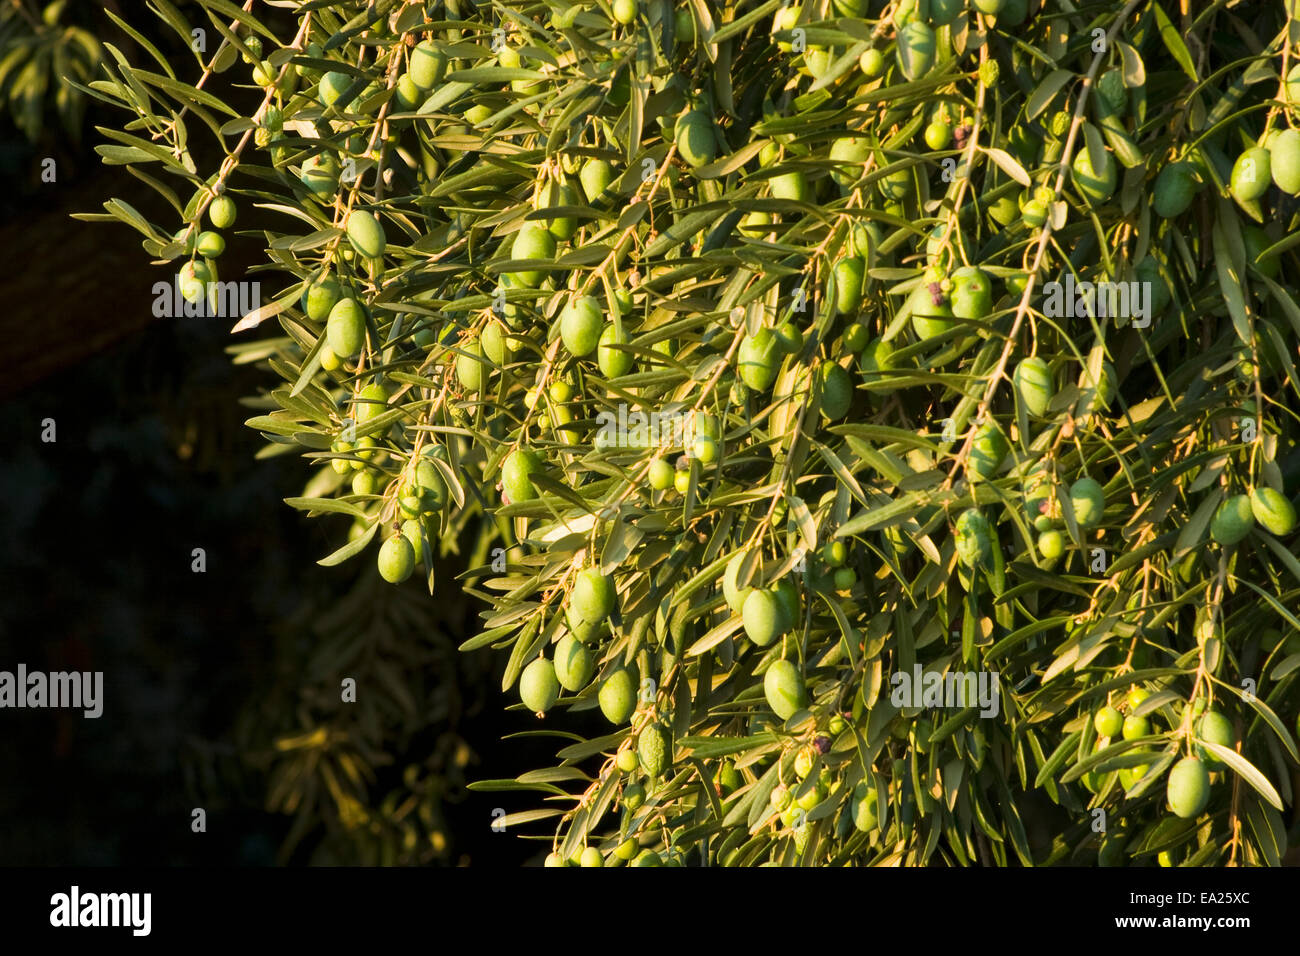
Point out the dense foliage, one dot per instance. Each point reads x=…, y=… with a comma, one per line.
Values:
x=761, y=359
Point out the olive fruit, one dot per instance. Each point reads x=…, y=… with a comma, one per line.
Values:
x=613, y=362
x=366, y=234
x=916, y=49
x=595, y=176
x=581, y=323
x=1033, y=382
x=591, y=857
x=426, y=65
x=729, y=778
x=408, y=95
x=1273, y=511
x=783, y=688
x=877, y=356
x=617, y=695
x=633, y=794
x=931, y=307
x=332, y=85
x=364, y=483
x=320, y=175
x=593, y=595
x=780, y=798
x=660, y=475
x=972, y=293
x=210, y=244
x=836, y=390
x=789, y=337
x=705, y=449
x=627, y=761
x=1095, y=185
x=871, y=63
x=1251, y=174
x=847, y=274
x=938, y=136
x=849, y=8
x=1135, y=727
x=1130, y=776
x=538, y=687
x=396, y=559
x=574, y=663
x=784, y=19
x=496, y=344
x=792, y=185
x=557, y=194
x=1232, y=520
x=345, y=331
x=1175, y=189
x=735, y=595
x=470, y=368
x=988, y=450
x=1284, y=159
x=647, y=858
x=896, y=185
x=1188, y=789
x=532, y=241
x=222, y=212
x=652, y=750
x=855, y=337
x=763, y=617
x=1033, y=213
x=758, y=360
x=412, y=528
x=1108, y=722
x=817, y=61
x=1051, y=544
x=372, y=401
x=863, y=808
x=515, y=472
x=788, y=598
x=479, y=114
x=1087, y=501
x=850, y=155
x=583, y=629
x=193, y=281
x=319, y=299
x=810, y=797
x=1003, y=210
x=696, y=138
x=1217, y=729
x=974, y=538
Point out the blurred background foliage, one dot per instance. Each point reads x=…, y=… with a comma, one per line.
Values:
x=39, y=48
x=224, y=690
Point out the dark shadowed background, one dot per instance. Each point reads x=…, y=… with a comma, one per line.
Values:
x=212, y=678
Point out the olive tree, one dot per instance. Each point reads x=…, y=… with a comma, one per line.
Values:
x=883, y=415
